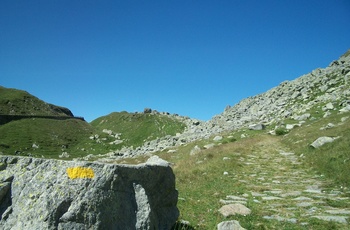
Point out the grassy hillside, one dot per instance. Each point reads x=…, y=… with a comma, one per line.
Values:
x=37, y=136
x=43, y=137
x=79, y=138
x=136, y=128
x=19, y=102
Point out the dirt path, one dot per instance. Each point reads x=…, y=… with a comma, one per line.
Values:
x=286, y=191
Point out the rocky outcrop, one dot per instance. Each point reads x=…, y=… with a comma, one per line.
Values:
x=329, y=87
x=55, y=194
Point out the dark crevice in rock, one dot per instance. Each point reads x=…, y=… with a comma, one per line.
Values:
x=61, y=209
x=5, y=200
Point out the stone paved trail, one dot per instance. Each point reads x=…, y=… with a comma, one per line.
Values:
x=288, y=191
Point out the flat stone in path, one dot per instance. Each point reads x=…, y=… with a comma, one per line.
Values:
x=338, y=211
x=271, y=198
x=233, y=209
x=339, y=219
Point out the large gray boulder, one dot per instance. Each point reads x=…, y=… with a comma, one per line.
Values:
x=321, y=141
x=55, y=194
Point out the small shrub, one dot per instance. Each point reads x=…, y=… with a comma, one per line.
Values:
x=281, y=131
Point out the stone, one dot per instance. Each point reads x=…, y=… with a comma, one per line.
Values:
x=329, y=106
x=64, y=155
x=321, y=141
x=328, y=126
x=281, y=219
x=302, y=117
x=257, y=127
x=290, y=126
x=338, y=219
x=209, y=146
x=338, y=211
x=147, y=110
x=233, y=209
x=172, y=151
x=217, y=138
x=267, y=198
x=195, y=150
x=345, y=109
x=55, y=194
x=230, y=225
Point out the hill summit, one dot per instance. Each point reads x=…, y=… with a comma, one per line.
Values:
x=19, y=102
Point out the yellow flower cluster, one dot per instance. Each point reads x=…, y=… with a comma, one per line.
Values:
x=80, y=172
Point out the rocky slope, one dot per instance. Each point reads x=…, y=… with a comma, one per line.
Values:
x=328, y=87
x=309, y=96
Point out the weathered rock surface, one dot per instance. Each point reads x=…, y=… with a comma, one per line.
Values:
x=321, y=141
x=55, y=194
x=230, y=225
x=233, y=209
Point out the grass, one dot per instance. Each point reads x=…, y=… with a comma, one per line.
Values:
x=73, y=136
x=332, y=159
x=201, y=182
x=137, y=128
x=51, y=137
x=19, y=102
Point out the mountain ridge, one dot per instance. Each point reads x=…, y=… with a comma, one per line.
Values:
x=310, y=96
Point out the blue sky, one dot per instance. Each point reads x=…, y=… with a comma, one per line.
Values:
x=187, y=57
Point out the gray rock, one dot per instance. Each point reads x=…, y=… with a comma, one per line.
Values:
x=195, y=150
x=147, y=110
x=209, y=146
x=328, y=106
x=230, y=225
x=217, y=138
x=233, y=209
x=54, y=194
x=345, y=109
x=339, y=219
x=302, y=117
x=321, y=141
x=256, y=127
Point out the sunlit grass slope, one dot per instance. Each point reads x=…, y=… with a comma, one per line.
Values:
x=201, y=181
x=136, y=128
x=43, y=137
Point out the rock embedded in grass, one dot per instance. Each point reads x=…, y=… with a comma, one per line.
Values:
x=233, y=209
x=321, y=141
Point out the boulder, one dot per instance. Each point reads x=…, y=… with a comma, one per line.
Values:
x=230, y=225
x=233, y=209
x=217, y=138
x=302, y=117
x=55, y=194
x=345, y=109
x=256, y=127
x=321, y=141
x=209, y=146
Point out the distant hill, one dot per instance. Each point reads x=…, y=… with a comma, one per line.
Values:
x=32, y=127
x=133, y=129
x=19, y=102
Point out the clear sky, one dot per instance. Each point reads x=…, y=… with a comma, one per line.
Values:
x=187, y=57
